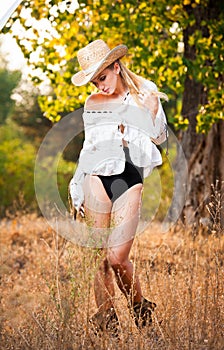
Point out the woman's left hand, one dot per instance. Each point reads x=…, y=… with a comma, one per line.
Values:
x=149, y=101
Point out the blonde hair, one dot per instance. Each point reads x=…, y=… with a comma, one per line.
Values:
x=134, y=83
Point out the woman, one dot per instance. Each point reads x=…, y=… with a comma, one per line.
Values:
x=122, y=122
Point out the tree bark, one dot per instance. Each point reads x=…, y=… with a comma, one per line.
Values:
x=203, y=182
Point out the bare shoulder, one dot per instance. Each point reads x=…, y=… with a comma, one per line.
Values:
x=94, y=101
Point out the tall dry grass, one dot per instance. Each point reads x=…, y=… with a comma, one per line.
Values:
x=47, y=290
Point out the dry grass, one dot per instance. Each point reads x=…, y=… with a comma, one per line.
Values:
x=47, y=297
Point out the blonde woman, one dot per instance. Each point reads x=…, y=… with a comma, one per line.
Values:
x=123, y=122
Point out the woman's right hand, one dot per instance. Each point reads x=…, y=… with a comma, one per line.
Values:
x=78, y=213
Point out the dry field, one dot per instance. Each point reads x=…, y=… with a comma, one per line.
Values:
x=46, y=290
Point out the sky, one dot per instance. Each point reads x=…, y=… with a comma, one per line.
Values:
x=7, y=7
x=9, y=48
x=12, y=52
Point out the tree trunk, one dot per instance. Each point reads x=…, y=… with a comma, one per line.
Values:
x=199, y=188
x=199, y=185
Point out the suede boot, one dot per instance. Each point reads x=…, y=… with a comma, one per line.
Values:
x=142, y=312
x=105, y=320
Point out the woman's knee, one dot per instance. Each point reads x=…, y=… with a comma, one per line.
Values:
x=119, y=255
x=117, y=262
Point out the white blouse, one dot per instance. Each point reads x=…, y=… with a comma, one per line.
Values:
x=102, y=152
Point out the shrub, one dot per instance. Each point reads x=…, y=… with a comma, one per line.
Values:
x=16, y=174
x=17, y=161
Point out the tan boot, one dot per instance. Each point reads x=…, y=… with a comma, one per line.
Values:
x=142, y=312
x=105, y=321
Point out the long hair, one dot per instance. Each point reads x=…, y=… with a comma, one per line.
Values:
x=134, y=83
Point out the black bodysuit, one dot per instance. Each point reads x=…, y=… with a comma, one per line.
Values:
x=116, y=185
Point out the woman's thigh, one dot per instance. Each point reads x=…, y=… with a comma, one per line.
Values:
x=97, y=203
x=125, y=216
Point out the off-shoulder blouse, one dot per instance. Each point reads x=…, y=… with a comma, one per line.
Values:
x=102, y=152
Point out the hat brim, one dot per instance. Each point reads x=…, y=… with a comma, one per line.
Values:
x=81, y=78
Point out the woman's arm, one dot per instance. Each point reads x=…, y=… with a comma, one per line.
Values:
x=151, y=100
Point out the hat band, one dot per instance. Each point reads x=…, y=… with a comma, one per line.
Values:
x=93, y=68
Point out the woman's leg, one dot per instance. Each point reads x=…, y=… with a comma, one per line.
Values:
x=125, y=217
x=126, y=277
x=98, y=212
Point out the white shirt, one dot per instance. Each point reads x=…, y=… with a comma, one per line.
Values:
x=102, y=152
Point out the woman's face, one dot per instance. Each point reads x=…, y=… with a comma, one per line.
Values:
x=107, y=80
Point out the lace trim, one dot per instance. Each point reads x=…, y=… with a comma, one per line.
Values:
x=97, y=111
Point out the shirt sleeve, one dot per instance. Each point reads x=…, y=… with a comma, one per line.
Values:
x=76, y=188
x=159, y=128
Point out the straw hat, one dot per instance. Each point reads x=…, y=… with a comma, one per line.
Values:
x=94, y=58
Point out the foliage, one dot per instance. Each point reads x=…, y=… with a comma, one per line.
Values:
x=8, y=81
x=16, y=169
x=28, y=115
x=65, y=173
x=10, y=131
x=204, y=59
x=18, y=100
x=17, y=160
x=153, y=31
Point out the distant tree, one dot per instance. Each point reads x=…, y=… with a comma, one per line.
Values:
x=27, y=113
x=8, y=81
